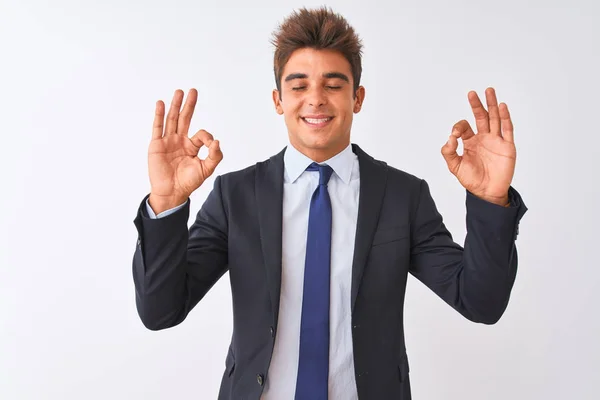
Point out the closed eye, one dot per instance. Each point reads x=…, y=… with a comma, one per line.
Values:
x=328, y=87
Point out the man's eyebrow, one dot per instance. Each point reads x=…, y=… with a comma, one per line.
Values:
x=295, y=76
x=328, y=75
x=339, y=75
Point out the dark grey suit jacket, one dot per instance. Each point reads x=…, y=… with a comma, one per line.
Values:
x=399, y=230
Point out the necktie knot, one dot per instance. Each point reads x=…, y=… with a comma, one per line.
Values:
x=325, y=172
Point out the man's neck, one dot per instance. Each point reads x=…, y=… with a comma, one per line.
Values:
x=320, y=155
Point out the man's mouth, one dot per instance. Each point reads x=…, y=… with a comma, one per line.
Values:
x=317, y=122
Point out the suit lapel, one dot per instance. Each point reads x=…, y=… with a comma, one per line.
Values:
x=373, y=176
x=269, y=200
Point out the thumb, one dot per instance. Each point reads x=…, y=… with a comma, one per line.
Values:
x=215, y=155
x=450, y=155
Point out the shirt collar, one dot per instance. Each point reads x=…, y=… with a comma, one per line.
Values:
x=296, y=163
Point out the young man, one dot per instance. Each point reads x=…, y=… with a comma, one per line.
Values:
x=320, y=238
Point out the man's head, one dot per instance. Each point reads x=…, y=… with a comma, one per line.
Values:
x=317, y=67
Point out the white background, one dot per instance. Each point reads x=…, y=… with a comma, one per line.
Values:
x=78, y=84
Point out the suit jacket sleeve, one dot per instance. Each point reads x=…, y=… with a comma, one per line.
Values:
x=475, y=280
x=173, y=267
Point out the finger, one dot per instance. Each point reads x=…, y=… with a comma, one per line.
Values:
x=507, y=125
x=481, y=115
x=183, y=125
x=215, y=155
x=159, y=118
x=202, y=138
x=462, y=129
x=494, y=114
x=450, y=155
x=173, y=115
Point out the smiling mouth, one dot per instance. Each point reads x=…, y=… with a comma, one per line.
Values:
x=317, y=122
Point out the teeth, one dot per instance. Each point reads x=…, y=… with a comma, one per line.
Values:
x=316, y=121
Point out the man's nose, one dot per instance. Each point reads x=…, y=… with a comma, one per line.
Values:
x=317, y=97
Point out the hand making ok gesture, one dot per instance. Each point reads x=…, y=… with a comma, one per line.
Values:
x=174, y=167
x=487, y=165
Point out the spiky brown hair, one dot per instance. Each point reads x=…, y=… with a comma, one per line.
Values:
x=319, y=29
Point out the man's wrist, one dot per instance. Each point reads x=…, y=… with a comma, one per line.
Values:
x=162, y=203
x=501, y=201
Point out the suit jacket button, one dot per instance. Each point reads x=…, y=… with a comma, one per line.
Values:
x=259, y=379
x=272, y=330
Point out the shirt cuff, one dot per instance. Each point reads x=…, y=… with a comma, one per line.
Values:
x=163, y=214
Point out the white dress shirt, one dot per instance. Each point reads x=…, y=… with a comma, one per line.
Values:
x=298, y=187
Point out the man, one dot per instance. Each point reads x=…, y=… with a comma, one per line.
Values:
x=320, y=238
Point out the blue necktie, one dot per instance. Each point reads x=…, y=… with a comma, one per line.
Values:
x=313, y=363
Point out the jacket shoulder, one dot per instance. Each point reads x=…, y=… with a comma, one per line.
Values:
x=402, y=175
x=399, y=176
x=245, y=177
x=396, y=175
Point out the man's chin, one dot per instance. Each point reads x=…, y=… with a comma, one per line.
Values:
x=317, y=143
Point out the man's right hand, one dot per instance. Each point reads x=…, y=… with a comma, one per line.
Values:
x=173, y=164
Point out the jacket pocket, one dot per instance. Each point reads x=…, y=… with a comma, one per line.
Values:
x=390, y=234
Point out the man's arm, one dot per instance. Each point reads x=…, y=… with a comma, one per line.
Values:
x=477, y=280
x=173, y=267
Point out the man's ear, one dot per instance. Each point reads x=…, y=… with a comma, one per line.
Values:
x=277, y=102
x=360, y=97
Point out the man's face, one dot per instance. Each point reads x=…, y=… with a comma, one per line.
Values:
x=317, y=102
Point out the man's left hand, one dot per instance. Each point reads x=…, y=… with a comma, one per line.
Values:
x=487, y=165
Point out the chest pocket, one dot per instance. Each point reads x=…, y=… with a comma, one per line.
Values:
x=390, y=234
